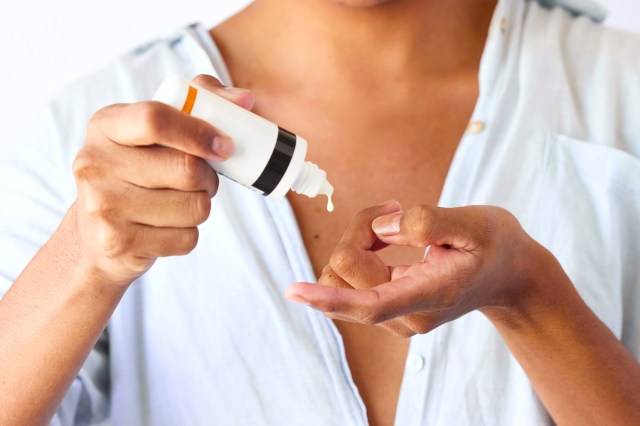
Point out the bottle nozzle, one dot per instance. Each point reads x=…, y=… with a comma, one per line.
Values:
x=313, y=181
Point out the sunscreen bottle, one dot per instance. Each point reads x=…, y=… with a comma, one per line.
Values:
x=267, y=158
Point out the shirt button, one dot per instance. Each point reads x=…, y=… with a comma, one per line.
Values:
x=476, y=126
x=503, y=25
x=415, y=363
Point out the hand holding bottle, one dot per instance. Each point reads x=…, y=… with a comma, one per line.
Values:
x=144, y=185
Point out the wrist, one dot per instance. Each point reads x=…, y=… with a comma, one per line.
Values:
x=541, y=290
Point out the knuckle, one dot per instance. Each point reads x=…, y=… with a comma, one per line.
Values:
x=97, y=120
x=375, y=312
x=200, y=207
x=424, y=218
x=139, y=264
x=188, y=241
x=206, y=80
x=81, y=167
x=84, y=166
x=188, y=169
x=200, y=79
x=418, y=325
x=422, y=328
x=98, y=205
x=114, y=242
x=396, y=327
x=97, y=117
x=112, y=239
x=490, y=222
x=212, y=184
x=326, y=276
x=327, y=270
x=373, y=316
x=505, y=218
x=341, y=260
x=150, y=116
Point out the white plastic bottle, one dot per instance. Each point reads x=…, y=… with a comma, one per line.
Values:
x=267, y=158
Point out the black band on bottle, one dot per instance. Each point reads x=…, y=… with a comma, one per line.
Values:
x=278, y=163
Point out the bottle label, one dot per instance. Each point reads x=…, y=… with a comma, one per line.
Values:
x=278, y=163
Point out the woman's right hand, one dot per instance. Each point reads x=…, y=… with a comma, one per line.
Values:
x=143, y=183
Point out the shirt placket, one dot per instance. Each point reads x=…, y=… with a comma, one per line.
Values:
x=324, y=331
x=414, y=399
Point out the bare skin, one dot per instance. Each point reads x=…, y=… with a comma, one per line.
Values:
x=481, y=259
x=124, y=218
x=366, y=124
x=318, y=89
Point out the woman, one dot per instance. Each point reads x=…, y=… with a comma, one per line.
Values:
x=385, y=92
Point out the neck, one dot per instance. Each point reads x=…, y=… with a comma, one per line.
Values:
x=314, y=41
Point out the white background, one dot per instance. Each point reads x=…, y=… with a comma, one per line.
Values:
x=44, y=45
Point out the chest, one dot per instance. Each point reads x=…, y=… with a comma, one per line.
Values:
x=372, y=150
x=372, y=154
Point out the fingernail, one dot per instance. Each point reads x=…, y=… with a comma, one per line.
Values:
x=237, y=90
x=297, y=298
x=222, y=146
x=387, y=225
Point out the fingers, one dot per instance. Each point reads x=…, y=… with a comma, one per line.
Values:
x=423, y=295
x=153, y=167
x=359, y=268
x=208, y=82
x=354, y=259
x=159, y=207
x=147, y=241
x=150, y=122
x=460, y=228
x=143, y=184
x=331, y=280
x=373, y=306
x=130, y=254
x=359, y=234
x=239, y=96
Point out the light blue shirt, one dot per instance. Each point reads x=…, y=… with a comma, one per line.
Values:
x=209, y=339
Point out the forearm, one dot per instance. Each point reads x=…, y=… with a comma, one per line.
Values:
x=49, y=321
x=581, y=372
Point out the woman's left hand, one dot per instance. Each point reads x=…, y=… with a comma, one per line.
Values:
x=479, y=258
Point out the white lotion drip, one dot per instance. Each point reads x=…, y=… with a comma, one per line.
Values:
x=312, y=181
x=327, y=189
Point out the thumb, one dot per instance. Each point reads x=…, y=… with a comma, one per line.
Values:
x=421, y=226
x=241, y=97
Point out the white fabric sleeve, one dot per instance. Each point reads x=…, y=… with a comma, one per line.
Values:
x=36, y=189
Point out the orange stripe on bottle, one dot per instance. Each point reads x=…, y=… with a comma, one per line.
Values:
x=191, y=99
